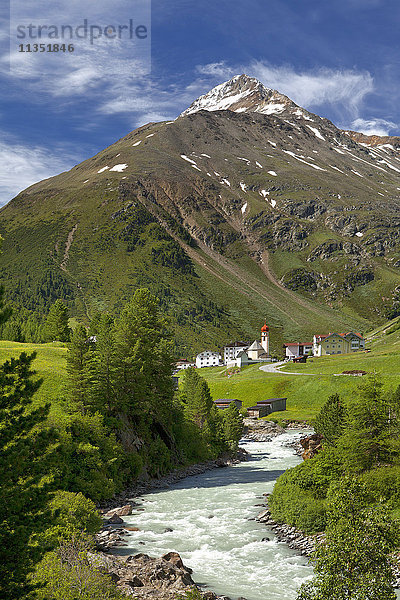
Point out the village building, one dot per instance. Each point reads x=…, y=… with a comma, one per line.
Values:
x=231, y=352
x=184, y=364
x=265, y=338
x=208, y=358
x=296, y=349
x=225, y=403
x=264, y=408
x=242, y=359
x=338, y=343
x=240, y=356
x=256, y=351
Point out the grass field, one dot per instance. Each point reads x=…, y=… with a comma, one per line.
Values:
x=305, y=394
x=50, y=365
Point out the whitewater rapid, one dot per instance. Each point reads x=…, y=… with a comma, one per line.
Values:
x=209, y=520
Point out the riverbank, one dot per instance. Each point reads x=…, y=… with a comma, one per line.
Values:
x=209, y=518
x=148, y=577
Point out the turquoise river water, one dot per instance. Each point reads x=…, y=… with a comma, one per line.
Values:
x=211, y=517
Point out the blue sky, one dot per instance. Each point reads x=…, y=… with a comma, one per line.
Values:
x=337, y=58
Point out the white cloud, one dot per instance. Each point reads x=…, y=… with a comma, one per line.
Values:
x=218, y=69
x=373, y=126
x=315, y=88
x=24, y=165
x=309, y=89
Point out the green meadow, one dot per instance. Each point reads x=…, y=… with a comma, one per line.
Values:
x=49, y=365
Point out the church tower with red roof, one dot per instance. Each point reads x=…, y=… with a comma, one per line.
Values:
x=265, y=337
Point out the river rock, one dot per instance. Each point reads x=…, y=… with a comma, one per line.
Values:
x=311, y=445
x=121, y=511
x=175, y=559
x=258, y=430
x=263, y=515
x=146, y=577
x=114, y=520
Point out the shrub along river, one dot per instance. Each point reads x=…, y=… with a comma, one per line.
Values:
x=209, y=520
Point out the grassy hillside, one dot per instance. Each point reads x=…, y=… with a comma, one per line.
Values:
x=50, y=365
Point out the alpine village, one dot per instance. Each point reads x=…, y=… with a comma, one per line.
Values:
x=145, y=453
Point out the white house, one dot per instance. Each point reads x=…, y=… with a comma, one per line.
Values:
x=231, y=352
x=240, y=361
x=296, y=349
x=184, y=364
x=208, y=358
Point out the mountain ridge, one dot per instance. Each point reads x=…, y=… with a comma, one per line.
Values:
x=229, y=215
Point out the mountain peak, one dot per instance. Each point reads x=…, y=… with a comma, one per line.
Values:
x=241, y=94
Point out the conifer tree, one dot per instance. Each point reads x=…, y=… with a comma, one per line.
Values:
x=78, y=359
x=142, y=379
x=196, y=396
x=103, y=365
x=56, y=326
x=331, y=420
x=23, y=465
x=372, y=434
x=233, y=425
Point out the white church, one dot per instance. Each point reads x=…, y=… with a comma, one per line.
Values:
x=240, y=354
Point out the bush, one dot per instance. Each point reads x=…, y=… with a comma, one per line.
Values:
x=67, y=574
x=90, y=459
x=70, y=514
x=291, y=504
x=384, y=484
x=158, y=458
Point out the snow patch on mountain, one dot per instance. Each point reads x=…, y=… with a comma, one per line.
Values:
x=188, y=159
x=241, y=94
x=303, y=161
x=316, y=132
x=119, y=168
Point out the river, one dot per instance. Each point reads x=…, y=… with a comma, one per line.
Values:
x=208, y=519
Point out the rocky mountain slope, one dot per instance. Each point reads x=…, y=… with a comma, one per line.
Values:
x=246, y=206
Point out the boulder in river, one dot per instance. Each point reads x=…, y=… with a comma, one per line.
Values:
x=121, y=511
x=145, y=577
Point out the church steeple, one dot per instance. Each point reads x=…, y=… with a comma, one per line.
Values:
x=265, y=337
